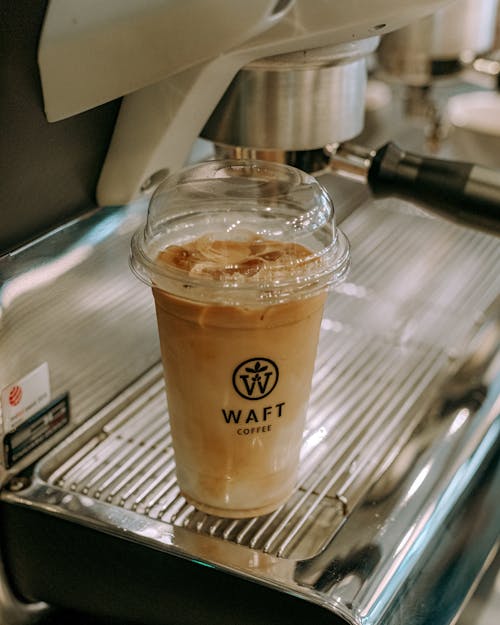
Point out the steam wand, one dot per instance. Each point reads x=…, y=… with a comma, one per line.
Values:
x=462, y=192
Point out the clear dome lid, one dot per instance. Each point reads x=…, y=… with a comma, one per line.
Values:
x=240, y=232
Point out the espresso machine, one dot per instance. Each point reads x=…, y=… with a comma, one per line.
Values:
x=395, y=518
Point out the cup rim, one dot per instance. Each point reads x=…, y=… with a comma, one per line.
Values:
x=326, y=269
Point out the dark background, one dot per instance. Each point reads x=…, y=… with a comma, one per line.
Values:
x=48, y=172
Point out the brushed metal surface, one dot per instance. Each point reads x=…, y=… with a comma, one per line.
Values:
x=458, y=32
x=268, y=104
x=404, y=418
x=70, y=299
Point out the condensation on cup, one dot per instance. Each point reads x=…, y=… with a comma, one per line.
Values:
x=239, y=256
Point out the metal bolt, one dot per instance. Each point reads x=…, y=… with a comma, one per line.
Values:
x=18, y=483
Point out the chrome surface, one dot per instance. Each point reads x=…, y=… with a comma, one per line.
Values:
x=310, y=161
x=69, y=299
x=269, y=106
x=351, y=161
x=458, y=32
x=403, y=428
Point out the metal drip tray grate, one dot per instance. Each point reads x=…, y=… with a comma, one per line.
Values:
x=129, y=462
x=387, y=341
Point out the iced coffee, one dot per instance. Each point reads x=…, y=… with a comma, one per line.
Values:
x=239, y=288
x=238, y=379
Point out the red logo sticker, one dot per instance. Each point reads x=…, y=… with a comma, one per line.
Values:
x=15, y=395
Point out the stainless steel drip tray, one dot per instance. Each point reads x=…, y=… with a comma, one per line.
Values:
x=401, y=438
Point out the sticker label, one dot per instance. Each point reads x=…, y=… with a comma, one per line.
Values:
x=36, y=430
x=26, y=397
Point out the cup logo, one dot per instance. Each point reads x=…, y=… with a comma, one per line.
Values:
x=255, y=378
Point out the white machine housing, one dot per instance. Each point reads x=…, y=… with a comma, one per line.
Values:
x=173, y=60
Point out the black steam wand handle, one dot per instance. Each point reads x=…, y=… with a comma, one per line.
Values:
x=463, y=192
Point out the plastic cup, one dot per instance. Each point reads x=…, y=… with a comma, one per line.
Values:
x=239, y=255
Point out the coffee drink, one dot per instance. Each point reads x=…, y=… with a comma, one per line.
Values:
x=239, y=256
x=238, y=378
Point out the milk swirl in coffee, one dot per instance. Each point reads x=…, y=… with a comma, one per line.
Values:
x=238, y=375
